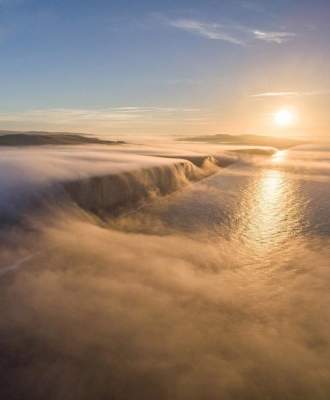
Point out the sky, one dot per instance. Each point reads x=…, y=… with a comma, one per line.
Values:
x=162, y=67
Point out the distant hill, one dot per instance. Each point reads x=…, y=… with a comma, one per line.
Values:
x=32, y=138
x=252, y=140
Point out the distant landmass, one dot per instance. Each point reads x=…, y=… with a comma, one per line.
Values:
x=35, y=138
x=252, y=140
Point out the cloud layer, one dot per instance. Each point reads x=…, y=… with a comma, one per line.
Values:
x=133, y=308
x=107, y=314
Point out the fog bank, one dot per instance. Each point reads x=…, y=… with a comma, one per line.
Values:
x=96, y=178
x=158, y=304
x=100, y=313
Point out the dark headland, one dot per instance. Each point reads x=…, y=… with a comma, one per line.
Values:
x=36, y=138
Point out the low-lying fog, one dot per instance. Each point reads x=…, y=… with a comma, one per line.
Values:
x=216, y=291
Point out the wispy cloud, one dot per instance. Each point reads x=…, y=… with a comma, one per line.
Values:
x=231, y=33
x=273, y=37
x=211, y=31
x=291, y=94
x=106, y=115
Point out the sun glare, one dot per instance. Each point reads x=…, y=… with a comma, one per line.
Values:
x=285, y=117
x=279, y=156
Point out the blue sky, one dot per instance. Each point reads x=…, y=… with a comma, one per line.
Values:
x=163, y=67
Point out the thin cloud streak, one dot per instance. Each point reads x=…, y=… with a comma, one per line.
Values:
x=211, y=31
x=115, y=114
x=274, y=37
x=291, y=94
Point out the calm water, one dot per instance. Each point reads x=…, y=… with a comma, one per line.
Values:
x=266, y=207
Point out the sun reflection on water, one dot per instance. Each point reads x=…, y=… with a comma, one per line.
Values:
x=270, y=213
x=268, y=220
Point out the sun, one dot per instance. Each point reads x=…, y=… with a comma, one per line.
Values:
x=285, y=117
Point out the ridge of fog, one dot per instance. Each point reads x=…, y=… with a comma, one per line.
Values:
x=95, y=175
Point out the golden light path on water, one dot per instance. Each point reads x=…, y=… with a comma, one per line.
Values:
x=270, y=211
